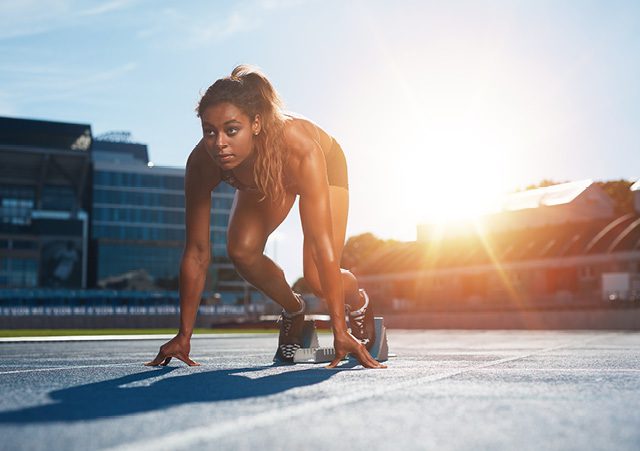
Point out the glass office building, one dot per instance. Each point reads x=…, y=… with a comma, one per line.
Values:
x=44, y=167
x=138, y=221
x=79, y=212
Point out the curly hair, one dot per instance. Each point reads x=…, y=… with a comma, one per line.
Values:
x=249, y=90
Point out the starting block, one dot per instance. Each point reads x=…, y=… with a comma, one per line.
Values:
x=311, y=352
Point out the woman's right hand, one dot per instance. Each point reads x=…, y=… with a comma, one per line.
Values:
x=348, y=344
x=178, y=347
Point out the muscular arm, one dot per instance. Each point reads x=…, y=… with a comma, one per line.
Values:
x=315, y=214
x=201, y=178
x=317, y=226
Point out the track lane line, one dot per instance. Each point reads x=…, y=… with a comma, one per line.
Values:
x=56, y=338
x=68, y=368
x=108, y=365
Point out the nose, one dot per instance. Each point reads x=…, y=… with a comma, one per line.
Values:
x=220, y=143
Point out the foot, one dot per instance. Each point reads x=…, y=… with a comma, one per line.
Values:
x=362, y=324
x=291, y=327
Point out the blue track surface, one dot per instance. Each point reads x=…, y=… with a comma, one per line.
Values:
x=446, y=390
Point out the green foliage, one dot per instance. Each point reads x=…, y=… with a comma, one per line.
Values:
x=618, y=190
x=543, y=183
x=358, y=248
x=620, y=193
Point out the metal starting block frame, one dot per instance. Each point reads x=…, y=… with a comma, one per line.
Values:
x=311, y=352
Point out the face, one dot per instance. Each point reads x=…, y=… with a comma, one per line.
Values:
x=229, y=135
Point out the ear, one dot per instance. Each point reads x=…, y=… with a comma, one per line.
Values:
x=256, y=125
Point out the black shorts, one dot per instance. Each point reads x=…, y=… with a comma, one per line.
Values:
x=337, y=166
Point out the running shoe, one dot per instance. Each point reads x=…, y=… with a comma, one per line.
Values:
x=291, y=330
x=362, y=323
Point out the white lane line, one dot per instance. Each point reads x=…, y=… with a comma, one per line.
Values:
x=141, y=363
x=124, y=337
x=253, y=376
x=69, y=368
x=190, y=437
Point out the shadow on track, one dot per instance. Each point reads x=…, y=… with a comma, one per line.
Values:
x=135, y=394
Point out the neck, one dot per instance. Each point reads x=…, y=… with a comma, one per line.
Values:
x=245, y=169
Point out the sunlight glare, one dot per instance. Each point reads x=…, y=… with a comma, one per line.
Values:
x=458, y=170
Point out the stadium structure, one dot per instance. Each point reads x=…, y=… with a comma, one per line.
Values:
x=44, y=203
x=557, y=246
x=90, y=223
x=80, y=213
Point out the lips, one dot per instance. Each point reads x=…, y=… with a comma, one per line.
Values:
x=224, y=157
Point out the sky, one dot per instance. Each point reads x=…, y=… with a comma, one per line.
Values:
x=440, y=107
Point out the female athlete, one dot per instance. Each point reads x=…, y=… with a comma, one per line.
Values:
x=270, y=157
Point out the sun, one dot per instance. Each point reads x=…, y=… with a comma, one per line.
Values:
x=459, y=170
x=450, y=134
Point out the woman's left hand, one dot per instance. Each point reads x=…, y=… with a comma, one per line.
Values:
x=348, y=344
x=178, y=347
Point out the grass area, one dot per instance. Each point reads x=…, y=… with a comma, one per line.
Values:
x=60, y=332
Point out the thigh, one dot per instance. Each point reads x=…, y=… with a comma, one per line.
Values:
x=339, y=203
x=251, y=222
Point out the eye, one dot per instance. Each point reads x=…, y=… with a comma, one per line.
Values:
x=210, y=133
x=232, y=131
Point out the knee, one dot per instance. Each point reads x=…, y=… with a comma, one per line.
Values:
x=243, y=254
x=349, y=280
x=350, y=284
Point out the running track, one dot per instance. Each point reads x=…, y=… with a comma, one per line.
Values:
x=445, y=390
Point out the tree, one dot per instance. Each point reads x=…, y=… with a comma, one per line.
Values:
x=360, y=247
x=542, y=184
x=620, y=193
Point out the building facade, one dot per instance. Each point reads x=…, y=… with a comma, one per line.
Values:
x=44, y=203
x=554, y=246
x=80, y=212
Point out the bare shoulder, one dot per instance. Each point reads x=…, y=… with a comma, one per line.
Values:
x=302, y=137
x=201, y=170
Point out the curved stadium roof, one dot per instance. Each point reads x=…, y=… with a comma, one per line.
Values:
x=554, y=241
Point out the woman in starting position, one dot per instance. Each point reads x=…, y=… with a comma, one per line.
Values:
x=270, y=157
